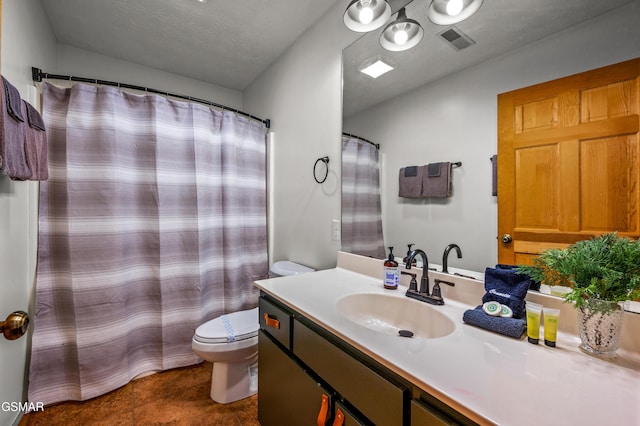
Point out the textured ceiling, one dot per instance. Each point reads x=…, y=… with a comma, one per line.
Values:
x=223, y=42
x=231, y=42
x=498, y=27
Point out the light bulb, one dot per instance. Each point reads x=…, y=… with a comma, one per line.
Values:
x=400, y=37
x=366, y=15
x=454, y=7
x=366, y=12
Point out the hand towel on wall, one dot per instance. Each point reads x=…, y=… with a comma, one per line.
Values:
x=410, y=182
x=436, y=183
x=36, y=144
x=12, y=130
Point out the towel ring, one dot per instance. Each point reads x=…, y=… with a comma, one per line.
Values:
x=325, y=160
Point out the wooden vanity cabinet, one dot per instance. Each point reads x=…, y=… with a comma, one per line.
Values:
x=307, y=376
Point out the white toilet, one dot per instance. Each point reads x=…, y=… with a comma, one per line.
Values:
x=230, y=342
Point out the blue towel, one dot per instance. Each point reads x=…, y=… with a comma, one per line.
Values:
x=512, y=327
x=505, y=286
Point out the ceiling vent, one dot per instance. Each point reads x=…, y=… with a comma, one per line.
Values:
x=456, y=38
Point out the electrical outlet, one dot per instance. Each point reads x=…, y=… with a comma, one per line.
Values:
x=335, y=230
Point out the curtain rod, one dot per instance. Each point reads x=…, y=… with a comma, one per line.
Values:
x=377, y=145
x=37, y=76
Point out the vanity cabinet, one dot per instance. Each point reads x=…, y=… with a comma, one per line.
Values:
x=306, y=375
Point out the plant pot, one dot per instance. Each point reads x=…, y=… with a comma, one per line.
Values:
x=599, y=326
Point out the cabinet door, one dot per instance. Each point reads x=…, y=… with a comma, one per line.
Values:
x=344, y=417
x=421, y=415
x=373, y=395
x=287, y=395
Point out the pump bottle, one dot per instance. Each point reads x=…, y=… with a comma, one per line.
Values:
x=391, y=274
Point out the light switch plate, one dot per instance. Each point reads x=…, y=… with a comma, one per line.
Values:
x=335, y=230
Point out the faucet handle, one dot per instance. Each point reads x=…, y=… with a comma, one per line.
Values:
x=413, y=285
x=435, y=292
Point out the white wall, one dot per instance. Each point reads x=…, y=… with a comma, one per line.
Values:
x=27, y=40
x=302, y=93
x=455, y=119
x=83, y=63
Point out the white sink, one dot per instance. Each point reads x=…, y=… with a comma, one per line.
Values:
x=391, y=314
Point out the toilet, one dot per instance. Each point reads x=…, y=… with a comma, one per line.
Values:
x=286, y=267
x=230, y=342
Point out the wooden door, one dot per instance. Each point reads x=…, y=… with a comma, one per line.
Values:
x=568, y=161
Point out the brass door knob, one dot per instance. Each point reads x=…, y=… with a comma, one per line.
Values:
x=15, y=326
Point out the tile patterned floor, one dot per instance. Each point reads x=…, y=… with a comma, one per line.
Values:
x=175, y=397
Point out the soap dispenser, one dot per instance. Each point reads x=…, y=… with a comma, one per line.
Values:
x=391, y=274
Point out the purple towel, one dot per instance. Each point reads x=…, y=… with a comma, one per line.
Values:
x=14, y=102
x=12, y=153
x=35, y=144
x=437, y=185
x=410, y=182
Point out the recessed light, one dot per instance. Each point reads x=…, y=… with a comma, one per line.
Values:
x=376, y=69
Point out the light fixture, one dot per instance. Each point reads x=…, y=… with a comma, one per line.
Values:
x=447, y=12
x=366, y=15
x=401, y=34
x=376, y=67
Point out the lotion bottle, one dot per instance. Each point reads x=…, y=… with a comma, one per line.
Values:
x=391, y=274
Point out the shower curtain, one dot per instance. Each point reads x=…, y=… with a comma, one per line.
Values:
x=153, y=221
x=361, y=209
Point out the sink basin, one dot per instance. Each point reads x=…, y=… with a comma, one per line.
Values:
x=390, y=314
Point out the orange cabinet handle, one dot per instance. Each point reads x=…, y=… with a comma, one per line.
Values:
x=271, y=322
x=324, y=411
x=339, y=420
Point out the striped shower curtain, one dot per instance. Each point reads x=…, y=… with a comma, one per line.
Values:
x=153, y=221
x=361, y=208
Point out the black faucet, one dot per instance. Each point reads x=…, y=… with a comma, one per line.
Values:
x=423, y=293
x=445, y=256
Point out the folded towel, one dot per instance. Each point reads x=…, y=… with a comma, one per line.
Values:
x=505, y=286
x=35, y=144
x=14, y=102
x=434, y=169
x=411, y=171
x=12, y=154
x=512, y=327
x=437, y=186
x=33, y=117
x=410, y=182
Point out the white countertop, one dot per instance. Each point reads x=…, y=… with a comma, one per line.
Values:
x=488, y=377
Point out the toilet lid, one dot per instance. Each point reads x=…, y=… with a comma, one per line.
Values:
x=286, y=267
x=229, y=328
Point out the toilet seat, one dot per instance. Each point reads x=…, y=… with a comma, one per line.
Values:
x=229, y=328
x=286, y=267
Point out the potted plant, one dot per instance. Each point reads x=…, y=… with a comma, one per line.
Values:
x=602, y=272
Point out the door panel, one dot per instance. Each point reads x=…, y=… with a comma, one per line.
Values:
x=569, y=161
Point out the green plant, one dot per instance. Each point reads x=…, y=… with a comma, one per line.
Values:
x=605, y=268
